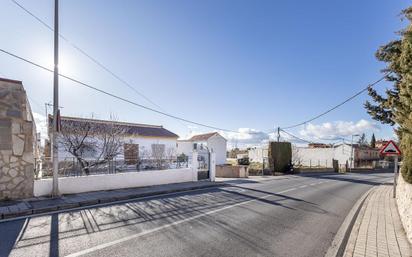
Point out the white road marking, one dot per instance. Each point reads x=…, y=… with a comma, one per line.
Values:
x=143, y=233
x=303, y=186
x=287, y=190
x=233, y=189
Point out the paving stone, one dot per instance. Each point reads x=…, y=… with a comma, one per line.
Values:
x=377, y=230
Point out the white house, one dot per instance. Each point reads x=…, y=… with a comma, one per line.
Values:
x=258, y=154
x=211, y=141
x=138, y=140
x=321, y=156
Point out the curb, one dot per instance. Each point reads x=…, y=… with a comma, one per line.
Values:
x=340, y=241
x=5, y=217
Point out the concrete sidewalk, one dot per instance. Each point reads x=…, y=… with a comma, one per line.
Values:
x=378, y=230
x=11, y=209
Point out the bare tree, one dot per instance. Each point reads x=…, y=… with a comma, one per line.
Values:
x=170, y=153
x=91, y=143
x=158, y=155
x=161, y=156
x=362, y=140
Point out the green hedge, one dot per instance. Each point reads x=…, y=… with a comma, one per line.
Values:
x=280, y=156
x=406, y=147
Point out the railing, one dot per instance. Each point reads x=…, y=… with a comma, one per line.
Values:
x=72, y=167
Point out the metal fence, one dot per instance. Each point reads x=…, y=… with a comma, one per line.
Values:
x=72, y=167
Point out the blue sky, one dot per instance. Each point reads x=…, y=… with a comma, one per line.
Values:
x=232, y=64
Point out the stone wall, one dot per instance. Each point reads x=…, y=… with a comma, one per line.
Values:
x=17, y=134
x=404, y=201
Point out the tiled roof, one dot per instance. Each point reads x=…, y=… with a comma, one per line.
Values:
x=203, y=137
x=130, y=128
x=11, y=80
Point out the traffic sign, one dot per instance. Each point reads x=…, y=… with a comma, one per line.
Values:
x=390, y=149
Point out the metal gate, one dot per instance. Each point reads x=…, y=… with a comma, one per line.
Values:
x=203, y=170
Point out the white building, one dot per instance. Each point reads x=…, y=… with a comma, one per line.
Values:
x=139, y=140
x=258, y=154
x=322, y=157
x=211, y=141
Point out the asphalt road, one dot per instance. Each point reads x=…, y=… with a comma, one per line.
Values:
x=281, y=216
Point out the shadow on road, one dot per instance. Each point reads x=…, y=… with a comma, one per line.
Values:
x=241, y=181
x=11, y=234
x=54, y=236
x=135, y=215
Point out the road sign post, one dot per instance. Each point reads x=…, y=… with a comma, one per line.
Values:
x=395, y=176
x=391, y=149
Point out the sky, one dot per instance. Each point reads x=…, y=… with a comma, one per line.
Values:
x=242, y=65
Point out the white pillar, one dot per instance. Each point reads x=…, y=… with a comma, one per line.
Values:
x=212, y=167
x=194, y=166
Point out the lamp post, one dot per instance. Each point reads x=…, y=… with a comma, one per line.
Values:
x=351, y=152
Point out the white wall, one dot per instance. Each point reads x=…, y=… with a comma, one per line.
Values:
x=185, y=147
x=72, y=185
x=145, y=143
x=257, y=154
x=324, y=156
x=343, y=153
x=315, y=156
x=217, y=144
x=404, y=203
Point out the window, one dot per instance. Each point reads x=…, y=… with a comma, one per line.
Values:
x=131, y=153
x=158, y=149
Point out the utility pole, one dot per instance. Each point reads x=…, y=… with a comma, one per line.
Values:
x=351, y=152
x=54, y=146
x=278, y=134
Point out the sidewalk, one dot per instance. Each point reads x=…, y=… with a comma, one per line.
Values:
x=378, y=230
x=37, y=205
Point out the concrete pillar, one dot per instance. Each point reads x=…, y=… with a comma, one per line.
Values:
x=194, y=166
x=212, y=168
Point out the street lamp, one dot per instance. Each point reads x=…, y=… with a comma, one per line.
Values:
x=351, y=152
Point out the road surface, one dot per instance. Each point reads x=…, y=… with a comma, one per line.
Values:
x=273, y=216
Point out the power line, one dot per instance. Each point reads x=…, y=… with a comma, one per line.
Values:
x=307, y=141
x=296, y=137
x=94, y=60
x=339, y=105
x=115, y=96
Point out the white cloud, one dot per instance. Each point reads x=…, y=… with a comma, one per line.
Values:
x=246, y=137
x=41, y=125
x=338, y=129
x=249, y=137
